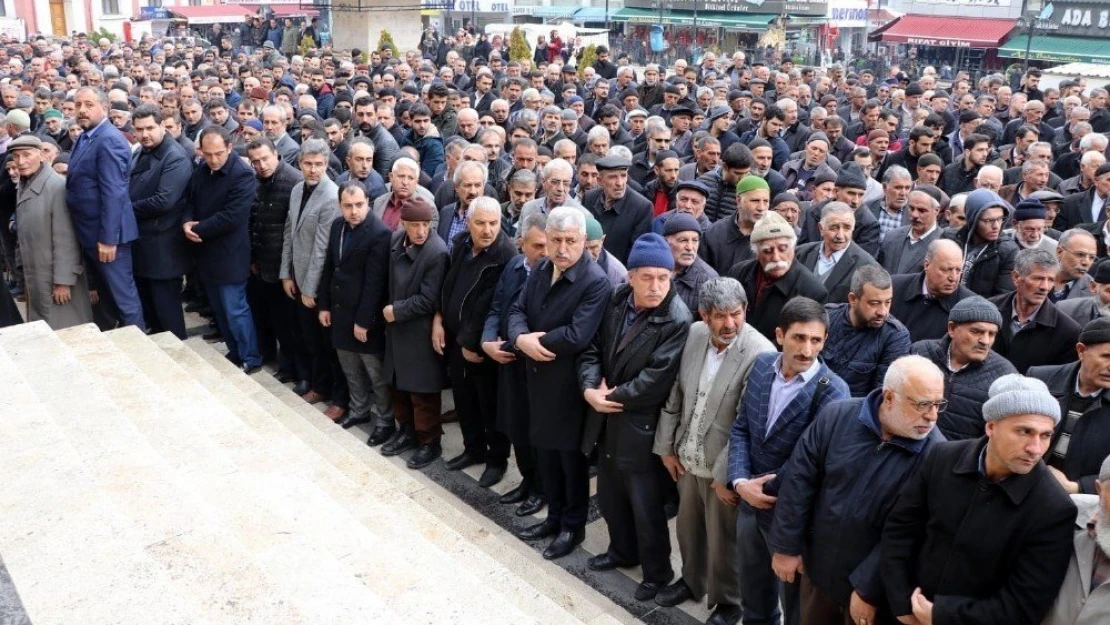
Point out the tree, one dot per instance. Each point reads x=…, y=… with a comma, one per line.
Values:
x=518, y=47
x=589, y=55
x=386, y=39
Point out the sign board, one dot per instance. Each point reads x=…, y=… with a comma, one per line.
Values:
x=483, y=6
x=968, y=3
x=1080, y=19
x=154, y=13
x=848, y=13
x=776, y=7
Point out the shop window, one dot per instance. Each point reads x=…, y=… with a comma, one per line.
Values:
x=110, y=7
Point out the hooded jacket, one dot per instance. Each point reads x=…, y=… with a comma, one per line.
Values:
x=991, y=271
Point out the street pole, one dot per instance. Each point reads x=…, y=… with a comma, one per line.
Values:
x=606, y=15
x=693, y=55
x=1032, y=24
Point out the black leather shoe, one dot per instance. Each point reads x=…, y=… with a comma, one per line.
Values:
x=302, y=387
x=283, y=377
x=670, y=509
x=462, y=461
x=425, y=455
x=516, y=495
x=380, y=434
x=194, y=306
x=250, y=369
x=725, y=614
x=492, y=475
x=530, y=506
x=563, y=544
x=543, y=529
x=605, y=562
x=674, y=594
x=399, y=444
x=647, y=591
x=212, y=337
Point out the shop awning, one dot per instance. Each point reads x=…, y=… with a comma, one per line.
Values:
x=706, y=19
x=1063, y=49
x=946, y=32
x=553, y=12
x=590, y=14
x=218, y=14
x=293, y=10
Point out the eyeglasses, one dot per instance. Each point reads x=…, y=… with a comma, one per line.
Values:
x=923, y=407
x=1081, y=255
x=997, y=221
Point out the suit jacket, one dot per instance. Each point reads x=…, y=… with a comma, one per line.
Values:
x=754, y=451
x=1090, y=438
x=354, y=283
x=896, y=256
x=623, y=223
x=158, y=182
x=570, y=311
x=1082, y=309
x=96, y=188
x=722, y=397
x=866, y=233
x=838, y=281
x=1077, y=210
x=306, y=235
x=640, y=365
x=1048, y=339
x=925, y=318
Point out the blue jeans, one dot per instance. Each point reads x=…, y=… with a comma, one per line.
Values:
x=760, y=588
x=233, y=317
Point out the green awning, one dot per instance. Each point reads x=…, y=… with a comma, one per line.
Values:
x=1053, y=48
x=706, y=19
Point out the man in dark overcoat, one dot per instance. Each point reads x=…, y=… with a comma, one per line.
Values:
x=550, y=325
x=626, y=376
x=350, y=296
x=417, y=264
x=982, y=532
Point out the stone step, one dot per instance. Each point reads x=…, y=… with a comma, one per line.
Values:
x=333, y=528
x=493, y=554
x=72, y=548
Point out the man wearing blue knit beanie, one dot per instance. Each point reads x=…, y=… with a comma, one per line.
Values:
x=982, y=534
x=626, y=376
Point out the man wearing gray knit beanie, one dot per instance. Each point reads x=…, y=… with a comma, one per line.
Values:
x=982, y=534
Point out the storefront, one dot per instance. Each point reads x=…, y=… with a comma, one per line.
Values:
x=1068, y=31
x=961, y=43
x=448, y=16
x=846, y=30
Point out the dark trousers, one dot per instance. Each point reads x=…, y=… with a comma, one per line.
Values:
x=233, y=317
x=161, y=301
x=760, y=588
x=821, y=609
x=632, y=504
x=566, y=480
x=325, y=375
x=116, y=283
x=275, y=318
x=420, y=412
x=513, y=421
x=475, y=389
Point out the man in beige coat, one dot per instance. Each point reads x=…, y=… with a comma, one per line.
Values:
x=1084, y=598
x=57, y=289
x=692, y=439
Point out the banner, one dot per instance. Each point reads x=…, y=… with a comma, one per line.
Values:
x=776, y=7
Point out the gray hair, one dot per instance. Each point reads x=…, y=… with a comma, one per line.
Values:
x=1029, y=260
x=485, y=202
x=565, y=219
x=1037, y=144
x=900, y=370
x=557, y=164
x=533, y=220
x=1070, y=235
x=722, y=293
x=896, y=172
x=621, y=151
x=941, y=245
x=596, y=133
x=404, y=161
x=874, y=275
x=1088, y=142
x=362, y=141
x=314, y=147
x=466, y=166
x=273, y=109
x=932, y=200
x=836, y=208
x=1028, y=166
x=524, y=176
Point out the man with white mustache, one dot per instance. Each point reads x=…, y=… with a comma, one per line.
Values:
x=772, y=278
x=1085, y=594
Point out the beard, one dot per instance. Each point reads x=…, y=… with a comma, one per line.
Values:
x=1102, y=533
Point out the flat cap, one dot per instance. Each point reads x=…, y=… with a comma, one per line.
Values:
x=612, y=163
x=25, y=142
x=692, y=185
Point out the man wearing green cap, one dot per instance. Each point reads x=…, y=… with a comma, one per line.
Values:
x=595, y=245
x=728, y=241
x=53, y=127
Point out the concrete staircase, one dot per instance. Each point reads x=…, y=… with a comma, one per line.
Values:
x=147, y=480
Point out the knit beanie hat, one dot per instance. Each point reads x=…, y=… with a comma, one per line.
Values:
x=254, y=123
x=1096, y=331
x=772, y=226
x=1029, y=209
x=651, y=250
x=681, y=222
x=851, y=177
x=416, y=209
x=594, y=231
x=1015, y=394
x=751, y=183
x=973, y=310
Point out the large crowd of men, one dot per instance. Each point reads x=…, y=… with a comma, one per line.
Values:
x=853, y=330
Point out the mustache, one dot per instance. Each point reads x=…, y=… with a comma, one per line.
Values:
x=778, y=264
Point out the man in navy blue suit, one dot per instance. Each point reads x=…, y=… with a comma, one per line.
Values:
x=97, y=195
